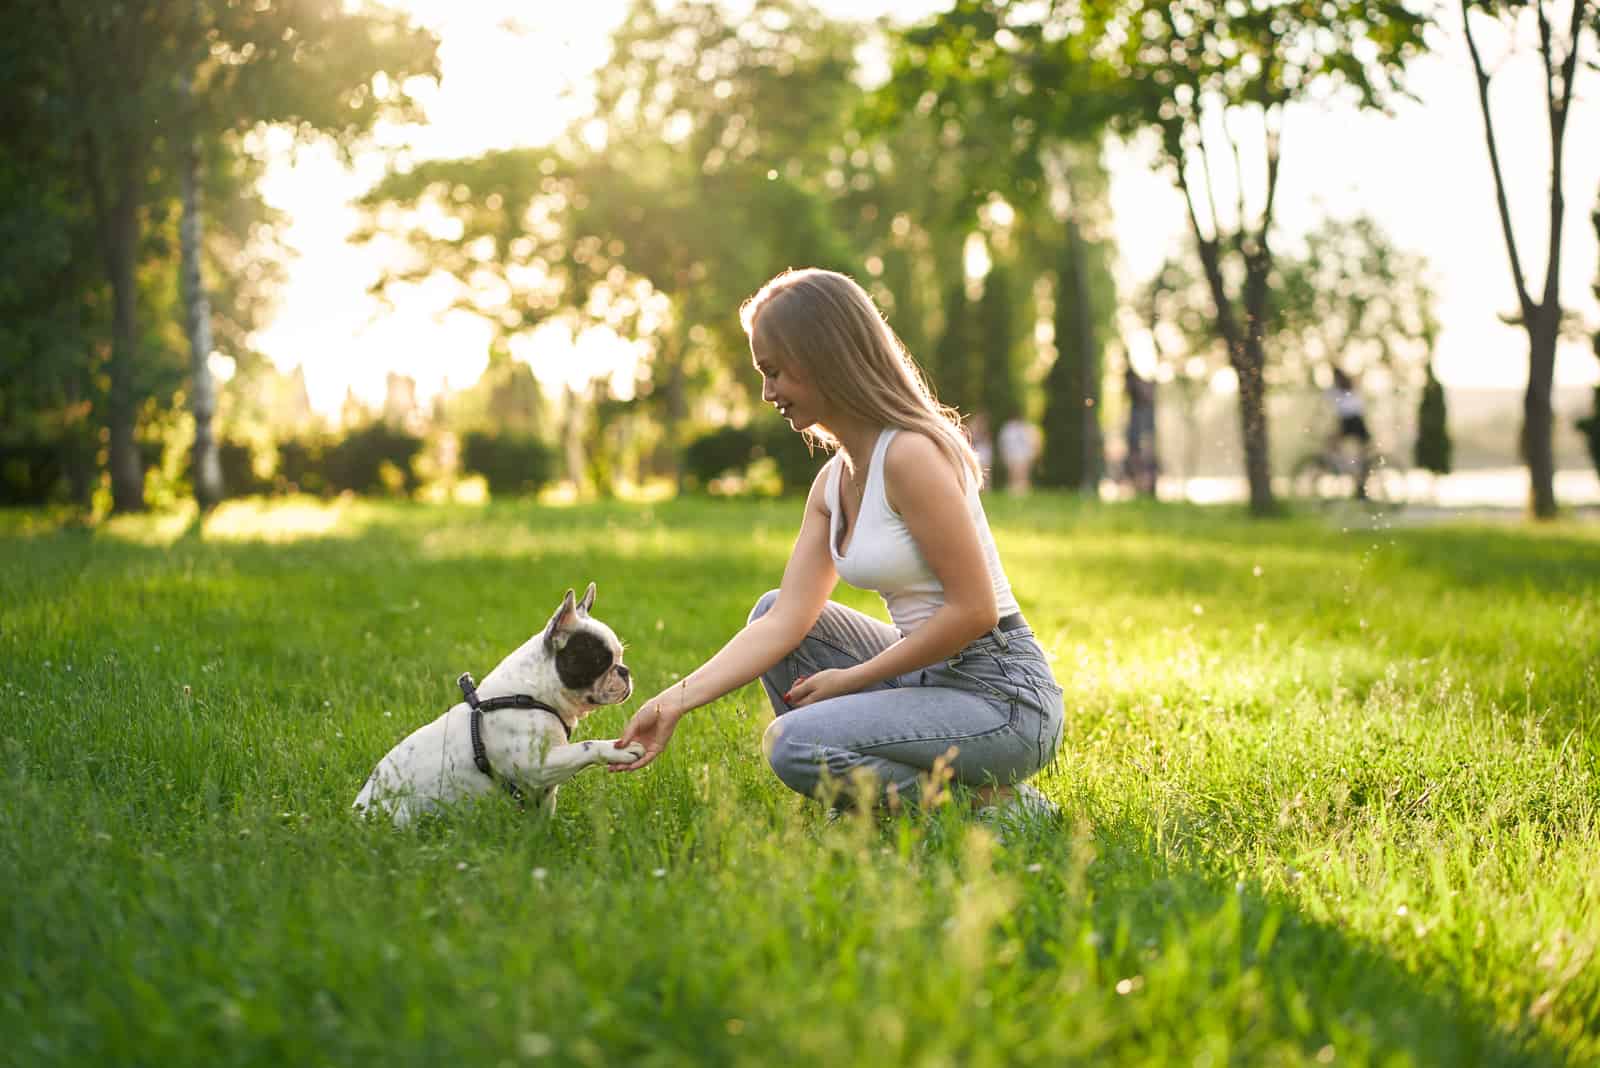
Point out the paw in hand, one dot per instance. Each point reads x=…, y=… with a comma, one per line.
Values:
x=612, y=755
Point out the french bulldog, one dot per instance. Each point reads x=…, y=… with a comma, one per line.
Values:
x=512, y=732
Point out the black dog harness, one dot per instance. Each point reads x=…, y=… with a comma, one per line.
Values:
x=480, y=756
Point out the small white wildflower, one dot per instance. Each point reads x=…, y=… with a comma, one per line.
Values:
x=536, y=1044
x=1256, y=571
x=1036, y=868
x=660, y=873
x=539, y=874
x=1199, y=610
x=461, y=865
x=1401, y=911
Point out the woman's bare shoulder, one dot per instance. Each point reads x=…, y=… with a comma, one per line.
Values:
x=912, y=452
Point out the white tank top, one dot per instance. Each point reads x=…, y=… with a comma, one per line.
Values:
x=884, y=557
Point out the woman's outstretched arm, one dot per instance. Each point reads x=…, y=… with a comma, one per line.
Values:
x=808, y=580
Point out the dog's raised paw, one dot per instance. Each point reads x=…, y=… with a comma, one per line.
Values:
x=622, y=755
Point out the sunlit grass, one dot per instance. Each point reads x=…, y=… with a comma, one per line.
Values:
x=1331, y=798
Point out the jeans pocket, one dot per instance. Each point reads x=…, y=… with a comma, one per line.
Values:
x=967, y=673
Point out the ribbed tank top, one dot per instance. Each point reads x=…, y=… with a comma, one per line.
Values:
x=884, y=557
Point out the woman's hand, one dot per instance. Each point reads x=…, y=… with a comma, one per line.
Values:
x=809, y=689
x=651, y=727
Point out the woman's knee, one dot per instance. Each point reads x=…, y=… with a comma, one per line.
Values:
x=763, y=605
x=793, y=760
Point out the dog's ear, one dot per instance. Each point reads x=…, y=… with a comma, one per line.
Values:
x=561, y=624
x=588, y=600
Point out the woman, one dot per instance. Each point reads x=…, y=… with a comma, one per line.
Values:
x=958, y=679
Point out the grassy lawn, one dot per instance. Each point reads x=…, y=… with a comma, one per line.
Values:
x=1332, y=797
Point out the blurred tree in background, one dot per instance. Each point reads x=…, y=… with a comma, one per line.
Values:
x=109, y=102
x=1561, y=39
x=966, y=191
x=1433, y=447
x=1589, y=425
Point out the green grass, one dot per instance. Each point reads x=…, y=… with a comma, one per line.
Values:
x=1332, y=797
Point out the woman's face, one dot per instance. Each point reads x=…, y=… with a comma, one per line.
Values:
x=793, y=396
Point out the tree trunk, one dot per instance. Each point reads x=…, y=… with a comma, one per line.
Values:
x=208, y=486
x=1537, y=420
x=127, y=469
x=1248, y=366
x=1093, y=446
x=572, y=442
x=1070, y=459
x=1247, y=356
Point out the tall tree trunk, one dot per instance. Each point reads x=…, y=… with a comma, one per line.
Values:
x=1246, y=351
x=1537, y=418
x=572, y=441
x=208, y=486
x=1542, y=318
x=1071, y=415
x=676, y=408
x=127, y=468
x=1093, y=444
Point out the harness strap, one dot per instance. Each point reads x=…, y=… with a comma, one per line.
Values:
x=480, y=755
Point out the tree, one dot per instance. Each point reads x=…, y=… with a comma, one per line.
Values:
x=105, y=85
x=1016, y=106
x=1198, y=73
x=703, y=170
x=1352, y=299
x=1433, y=447
x=1560, y=42
x=997, y=329
x=1073, y=453
x=1589, y=426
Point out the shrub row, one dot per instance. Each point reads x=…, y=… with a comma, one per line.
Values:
x=735, y=451
x=373, y=460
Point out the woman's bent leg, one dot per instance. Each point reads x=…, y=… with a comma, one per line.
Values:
x=840, y=638
x=896, y=735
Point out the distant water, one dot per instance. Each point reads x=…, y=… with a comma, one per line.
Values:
x=1505, y=487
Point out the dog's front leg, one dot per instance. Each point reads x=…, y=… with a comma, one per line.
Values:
x=562, y=762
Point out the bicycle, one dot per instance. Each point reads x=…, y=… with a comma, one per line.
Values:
x=1338, y=473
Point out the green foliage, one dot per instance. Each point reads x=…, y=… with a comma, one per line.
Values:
x=952, y=367
x=374, y=459
x=1353, y=300
x=36, y=471
x=1071, y=457
x=238, y=462
x=96, y=159
x=299, y=467
x=1433, y=430
x=512, y=464
x=1328, y=798
x=725, y=450
x=997, y=330
x=730, y=450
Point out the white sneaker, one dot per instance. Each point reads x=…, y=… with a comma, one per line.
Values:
x=1026, y=808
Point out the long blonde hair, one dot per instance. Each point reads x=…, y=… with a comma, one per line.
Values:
x=823, y=324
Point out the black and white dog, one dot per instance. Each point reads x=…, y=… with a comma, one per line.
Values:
x=512, y=732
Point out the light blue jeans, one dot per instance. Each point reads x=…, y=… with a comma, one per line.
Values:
x=993, y=711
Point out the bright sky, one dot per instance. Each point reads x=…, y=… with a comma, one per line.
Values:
x=1423, y=174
